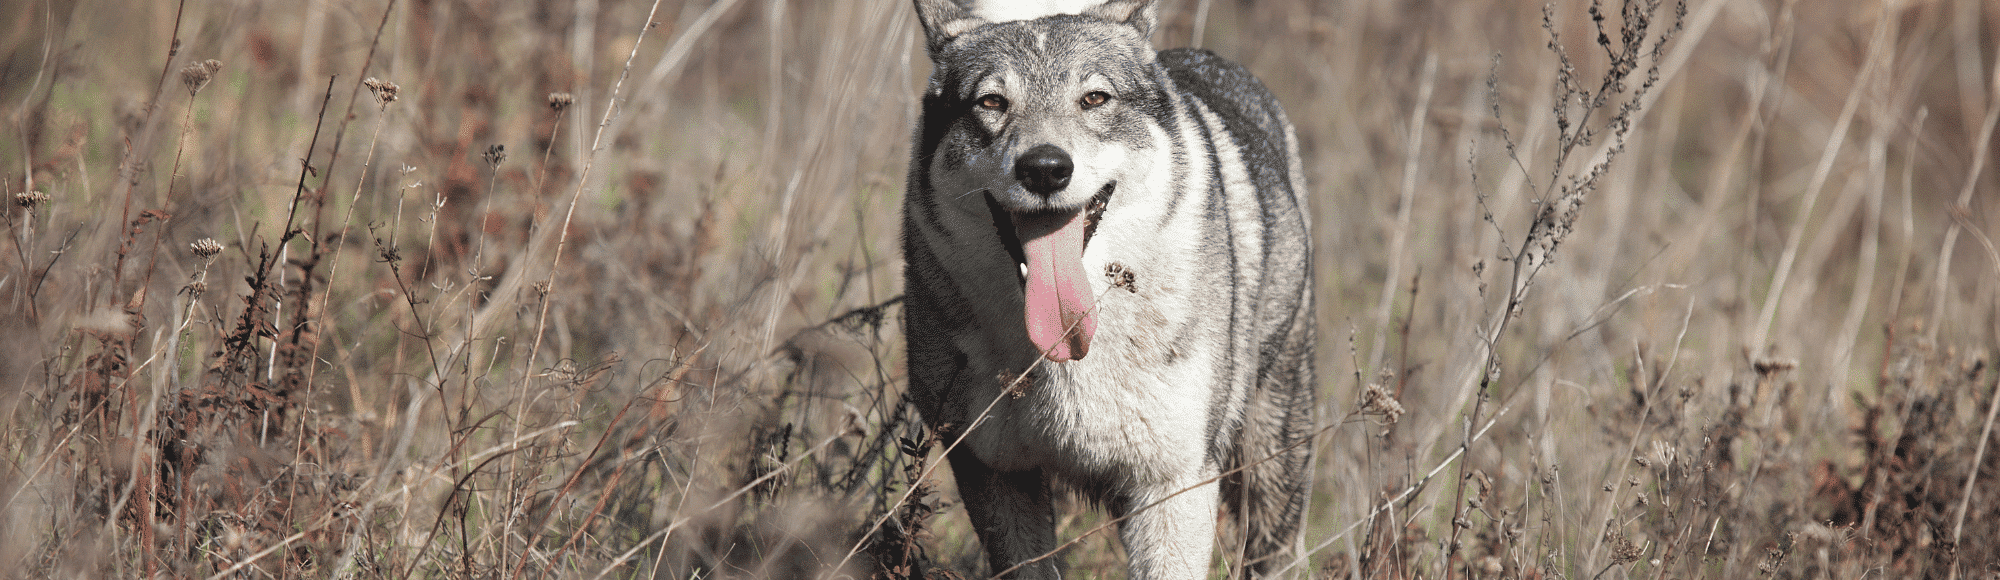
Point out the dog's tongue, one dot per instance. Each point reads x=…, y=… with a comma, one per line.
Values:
x=1058, y=293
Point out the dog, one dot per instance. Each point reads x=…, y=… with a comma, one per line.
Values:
x=1109, y=287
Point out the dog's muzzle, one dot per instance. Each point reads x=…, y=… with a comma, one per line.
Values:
x=1047, y=247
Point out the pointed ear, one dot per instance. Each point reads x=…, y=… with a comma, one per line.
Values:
x=1141, y=15
x=943, y=21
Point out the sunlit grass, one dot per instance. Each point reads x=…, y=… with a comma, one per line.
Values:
x=1764, y=299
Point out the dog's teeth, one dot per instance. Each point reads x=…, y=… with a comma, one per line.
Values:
x=1024, y=271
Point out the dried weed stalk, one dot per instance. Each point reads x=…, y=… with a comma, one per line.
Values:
x=1633, y=49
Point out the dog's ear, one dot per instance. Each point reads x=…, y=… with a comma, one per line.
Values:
x=943, y=21
x=1141, y=15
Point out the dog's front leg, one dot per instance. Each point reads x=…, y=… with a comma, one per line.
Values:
x=1172, y=539
x=1013, y=514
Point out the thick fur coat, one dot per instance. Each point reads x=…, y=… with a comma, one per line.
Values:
x=1125, y=232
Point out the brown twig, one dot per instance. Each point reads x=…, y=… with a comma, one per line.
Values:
x=127, y=166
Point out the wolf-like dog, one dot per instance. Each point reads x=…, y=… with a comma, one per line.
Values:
x=1126, y=230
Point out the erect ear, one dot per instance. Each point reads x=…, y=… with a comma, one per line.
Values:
x=1141, y=15
x=943, y=21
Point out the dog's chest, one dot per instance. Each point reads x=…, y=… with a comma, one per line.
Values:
x=1143, y=428
x=1138, y=408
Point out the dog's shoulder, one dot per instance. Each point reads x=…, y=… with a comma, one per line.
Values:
x=1245, y=105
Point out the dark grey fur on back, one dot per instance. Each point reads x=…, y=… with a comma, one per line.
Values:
x=1280, y=413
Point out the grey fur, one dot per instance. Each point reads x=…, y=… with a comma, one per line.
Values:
x=1199, y=264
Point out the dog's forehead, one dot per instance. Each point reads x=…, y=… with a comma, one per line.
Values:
x=1065, y=49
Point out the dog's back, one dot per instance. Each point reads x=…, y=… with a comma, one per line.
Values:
x=1269, y=493
x=1126, y=231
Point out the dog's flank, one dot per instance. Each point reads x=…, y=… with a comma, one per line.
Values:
x=1060, y=158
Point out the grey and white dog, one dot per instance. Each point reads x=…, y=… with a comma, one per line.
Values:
x=1127, y=228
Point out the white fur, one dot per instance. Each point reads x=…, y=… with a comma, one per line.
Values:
x=1012, y=10
x=1121, y=415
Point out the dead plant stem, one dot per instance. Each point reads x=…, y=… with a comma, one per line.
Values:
x=128, y=165
x=582, y=181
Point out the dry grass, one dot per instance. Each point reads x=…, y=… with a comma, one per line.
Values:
x=465, y=333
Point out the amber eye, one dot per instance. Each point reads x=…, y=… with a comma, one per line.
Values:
x=992, y=102
x=1093, y=99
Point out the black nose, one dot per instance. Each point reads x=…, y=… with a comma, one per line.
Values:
x=1044, y=169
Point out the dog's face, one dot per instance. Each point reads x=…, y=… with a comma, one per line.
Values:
x=1039, y=121
x=1041, y=115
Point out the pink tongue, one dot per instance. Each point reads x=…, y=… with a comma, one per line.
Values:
x=1059, y=297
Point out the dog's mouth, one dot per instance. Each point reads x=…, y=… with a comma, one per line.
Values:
x=1047, y=247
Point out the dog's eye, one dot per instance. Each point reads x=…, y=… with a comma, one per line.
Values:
x=993, y=102
x=1094, y=99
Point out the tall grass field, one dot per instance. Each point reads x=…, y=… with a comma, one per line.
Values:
x=1626, y=289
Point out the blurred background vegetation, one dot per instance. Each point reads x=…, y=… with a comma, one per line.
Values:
x=486, y=329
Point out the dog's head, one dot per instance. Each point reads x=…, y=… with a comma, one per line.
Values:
x=1042, y=118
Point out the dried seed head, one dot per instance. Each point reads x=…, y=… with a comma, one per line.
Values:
x=1663, y=453
x=385, y=91
x=205, y=248
x=565, y=371
x=1121, y=277
x=495, y=154
x=1377, y=400
x=29, y=199
x=1623, y=551
x=560, y=101
x=197, y=74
